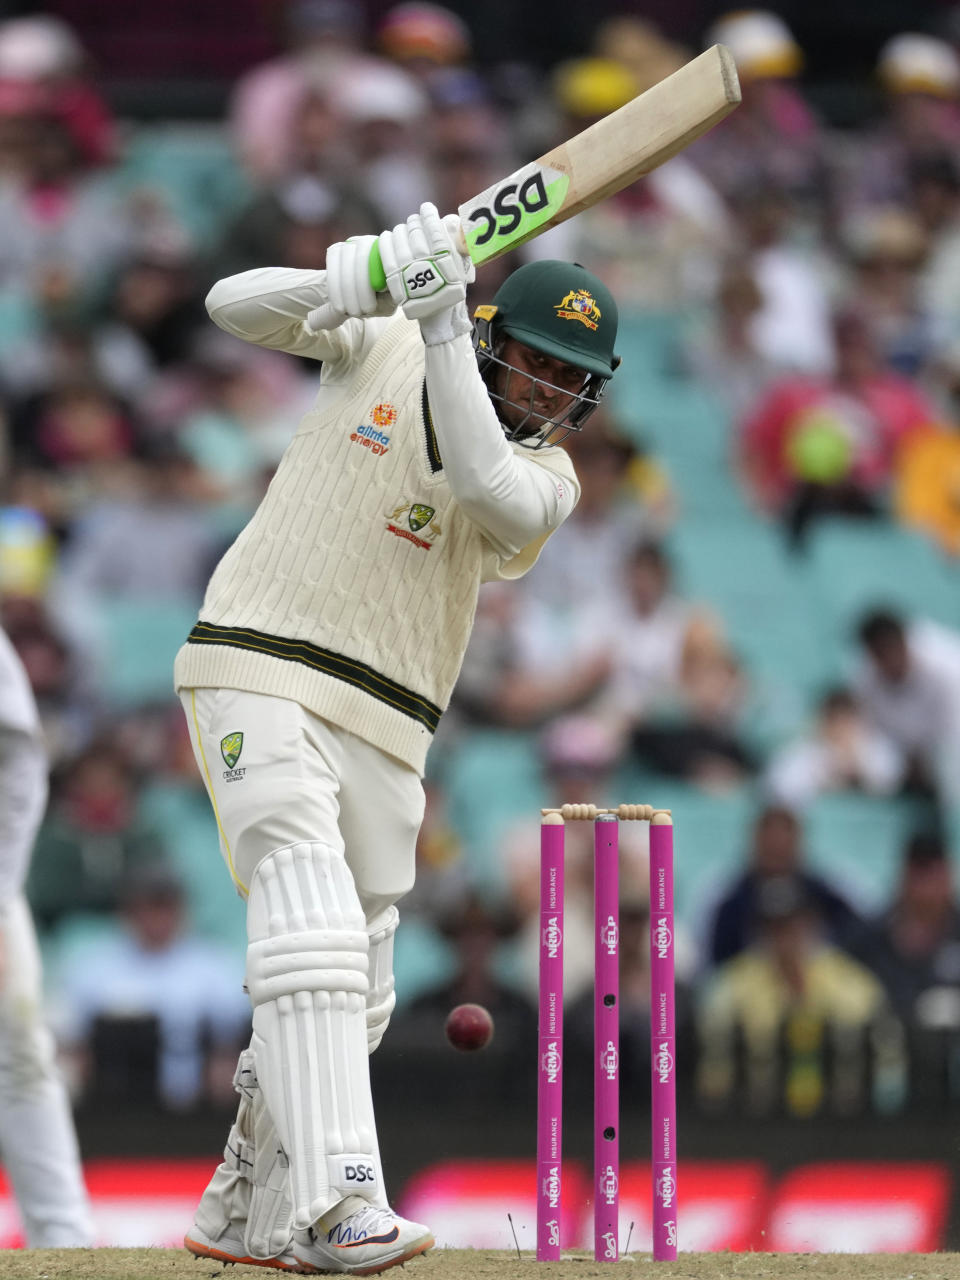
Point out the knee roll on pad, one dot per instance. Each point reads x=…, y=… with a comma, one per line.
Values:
x=307, y=964
x=381, y=997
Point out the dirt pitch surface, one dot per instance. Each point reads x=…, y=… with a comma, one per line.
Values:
x=465, y=1264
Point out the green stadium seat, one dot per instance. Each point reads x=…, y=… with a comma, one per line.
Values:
x=140, y=639
x=855, y=565
x=857, y=842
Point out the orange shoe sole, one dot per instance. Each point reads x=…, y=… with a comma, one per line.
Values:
x=219, y=1255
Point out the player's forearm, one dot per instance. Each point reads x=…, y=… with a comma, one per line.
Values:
x=512, y=499
x=270, y=306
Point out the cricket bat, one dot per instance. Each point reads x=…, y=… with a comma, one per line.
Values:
x=603, y=159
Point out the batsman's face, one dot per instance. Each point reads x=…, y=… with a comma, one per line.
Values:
x=536, y=383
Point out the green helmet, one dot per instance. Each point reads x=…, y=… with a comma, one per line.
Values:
x=563, y=310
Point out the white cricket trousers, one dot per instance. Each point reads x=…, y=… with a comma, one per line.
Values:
x=295, y=777
x=38, y=1143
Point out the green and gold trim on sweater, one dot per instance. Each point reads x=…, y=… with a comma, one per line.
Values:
x=358, y=674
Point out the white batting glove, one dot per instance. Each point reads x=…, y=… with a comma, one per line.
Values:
x=427, y=275
x=349, y=289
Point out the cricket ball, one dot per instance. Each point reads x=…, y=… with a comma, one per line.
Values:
x=469, y=1027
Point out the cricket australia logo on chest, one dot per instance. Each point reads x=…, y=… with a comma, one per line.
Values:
x=415, y=522
x=372, y=435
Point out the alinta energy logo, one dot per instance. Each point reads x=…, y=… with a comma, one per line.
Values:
x=422, y=529
x=579, y=305
x=373, y=435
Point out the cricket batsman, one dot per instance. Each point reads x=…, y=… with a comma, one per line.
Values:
x=329, y=640
x=38, y=1143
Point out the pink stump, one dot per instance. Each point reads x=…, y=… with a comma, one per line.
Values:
x=662, y=1041
x=550, y=1042
x=606, y=1040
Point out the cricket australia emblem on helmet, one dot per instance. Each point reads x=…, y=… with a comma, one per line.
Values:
x=230, y=748
x=579, y=305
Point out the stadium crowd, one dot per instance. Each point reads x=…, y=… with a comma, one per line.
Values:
x=791, y=374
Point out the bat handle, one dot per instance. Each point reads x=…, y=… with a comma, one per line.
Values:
x=378, y=277
x=327, y=317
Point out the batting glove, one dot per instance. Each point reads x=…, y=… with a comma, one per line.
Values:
x=349, y=288
x=427, y=275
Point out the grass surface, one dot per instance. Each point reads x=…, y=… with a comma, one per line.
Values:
x=465, y=1264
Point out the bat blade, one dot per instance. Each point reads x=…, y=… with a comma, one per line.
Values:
x=603, y=159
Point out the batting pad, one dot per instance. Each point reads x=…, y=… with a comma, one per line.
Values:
x=381, y=997
x=307, y=977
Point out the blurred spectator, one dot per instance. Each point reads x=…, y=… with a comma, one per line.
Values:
x=43, y=52
x=840, y=752
x=423, y=39
x=700, y=729
x=935, y=202
x=112, y=552
x=65, y=226
x=75, y=444
x=582, y=577
x=498, y=686
x=926, y=492
x=908, y=684
x=724, y=355
x=580, y=757
x=238, y=423
x=656, y=628
x=155, y=968
x=788, y=998
x=386, y=115
x=914, y=945
x=920, y=76
x=315, y=199
x=886, y=249
x=791, y=327
x=827, y=446
x=324, y=38
x=91, y=837
x=773, y=138
x=776, y=851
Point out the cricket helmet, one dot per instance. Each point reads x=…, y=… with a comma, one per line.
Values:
x=561, y=310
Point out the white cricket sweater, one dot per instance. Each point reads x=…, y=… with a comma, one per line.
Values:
x=353, y=588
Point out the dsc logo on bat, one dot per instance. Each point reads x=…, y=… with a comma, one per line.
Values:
x=510, y=203
x=513, y=210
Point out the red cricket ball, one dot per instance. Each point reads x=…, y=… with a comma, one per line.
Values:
x=469, y=1027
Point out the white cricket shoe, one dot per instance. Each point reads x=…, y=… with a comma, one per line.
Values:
x=230, y=1248
x=367, y=1241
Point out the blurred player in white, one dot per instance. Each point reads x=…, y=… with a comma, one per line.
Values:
x=38, y=1144
x=328, y=644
